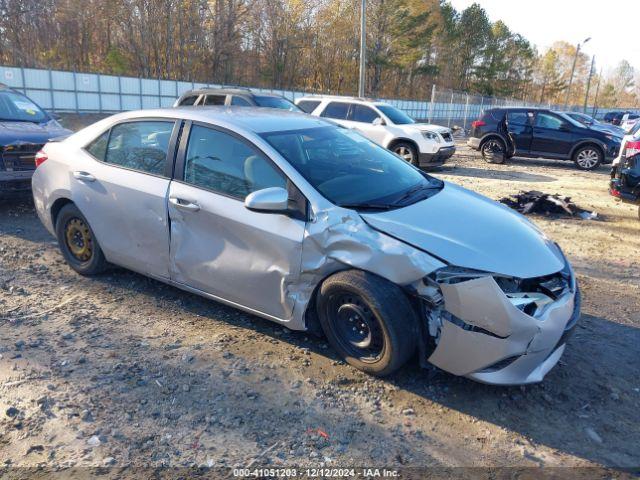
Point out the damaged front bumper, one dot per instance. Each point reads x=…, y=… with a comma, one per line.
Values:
x=483, y=335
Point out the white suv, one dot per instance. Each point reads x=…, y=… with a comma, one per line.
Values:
x=421, y=144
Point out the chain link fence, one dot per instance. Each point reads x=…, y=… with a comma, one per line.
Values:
x=63, y=91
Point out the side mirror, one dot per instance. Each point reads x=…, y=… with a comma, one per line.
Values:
x=273, y=199
x=564, y=128
x=378, y=121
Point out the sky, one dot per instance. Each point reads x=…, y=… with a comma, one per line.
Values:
x=611, y=24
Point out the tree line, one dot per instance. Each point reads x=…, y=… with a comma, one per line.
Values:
x=304, y=44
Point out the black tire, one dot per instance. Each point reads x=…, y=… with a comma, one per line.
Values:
x=587, y=157
x=353, y=298
x=494, y=150
x=407, y=151
x=77, y=242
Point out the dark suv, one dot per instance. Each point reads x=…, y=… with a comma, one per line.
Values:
x=502, y=133
x=613, y=117
x=234, y=96
x=24, y=129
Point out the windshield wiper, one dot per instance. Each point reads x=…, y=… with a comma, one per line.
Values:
x=367, y=206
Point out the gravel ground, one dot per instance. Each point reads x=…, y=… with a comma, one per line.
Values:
x=122, y=370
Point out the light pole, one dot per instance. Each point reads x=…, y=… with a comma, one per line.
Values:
x=586, y=95
x=573, y=69
x=363, y=47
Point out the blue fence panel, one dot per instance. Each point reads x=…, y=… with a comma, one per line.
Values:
x=109, y=84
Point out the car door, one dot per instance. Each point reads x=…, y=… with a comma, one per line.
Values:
x=217, y=245
x=363, y=118
x=552, y=135
x=520, y=129
x=120, y=184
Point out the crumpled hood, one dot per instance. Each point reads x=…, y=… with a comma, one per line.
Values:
x=472, y=231
x=31, y=133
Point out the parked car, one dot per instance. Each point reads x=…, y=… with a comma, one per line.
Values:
x=502, y=133
x=24, y=129
x=633, y=135
x=311, y=225
x=238, y=97
x=614, y=117
x=628, y=121
x=420, y=144
x=589, y=121
x=625, y=175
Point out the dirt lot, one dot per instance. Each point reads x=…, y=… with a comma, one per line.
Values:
x=123, y=370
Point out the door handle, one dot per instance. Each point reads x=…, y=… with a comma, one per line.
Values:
x=184, y=204
x=84, y=176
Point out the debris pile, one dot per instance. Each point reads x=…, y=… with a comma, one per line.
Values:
x=546, y=204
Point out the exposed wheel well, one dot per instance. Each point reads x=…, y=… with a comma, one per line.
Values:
x=396, y=141
x=588, y=144
x=492, y=136
x=56, y=207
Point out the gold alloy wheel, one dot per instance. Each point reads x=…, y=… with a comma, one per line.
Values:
x=78, y=239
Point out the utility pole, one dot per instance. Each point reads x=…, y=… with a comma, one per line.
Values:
x=586, y=95
x=363, y=47
x=573, y=69
x=595, y=102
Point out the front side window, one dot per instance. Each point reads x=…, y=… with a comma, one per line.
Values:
x=544, y=120
x=275, y=102
x=215, y=99
x=364, y=114
x=222, y=163
x=350, y=170
x=239, y=101
x=15, y=107
x=337, y=110
x=396, y=116
x=141, y=146
x=308, y=106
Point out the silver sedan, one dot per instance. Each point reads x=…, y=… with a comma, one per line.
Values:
x=308, y=224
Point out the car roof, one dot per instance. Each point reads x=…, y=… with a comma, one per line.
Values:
x=229, y=91
x=253, y=119
x=338, y=98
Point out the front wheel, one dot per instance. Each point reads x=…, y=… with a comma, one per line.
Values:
x=77, y=242
x=368, y=321
x=587, y=157
x=406, y=151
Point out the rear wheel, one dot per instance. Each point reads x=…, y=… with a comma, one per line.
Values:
x=77, y=242
x=587, y=157
x=494, y=150
x=368, y=321
x=407, y=152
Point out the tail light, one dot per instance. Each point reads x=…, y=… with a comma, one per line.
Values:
x=41, y=157
x=477, y=123
x=631, y=149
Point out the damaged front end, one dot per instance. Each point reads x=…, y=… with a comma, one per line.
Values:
x=498, y=329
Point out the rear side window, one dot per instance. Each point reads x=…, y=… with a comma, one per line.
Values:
x=518, y=118
x=308, y=106
x=215, y=99
x=337, y=110
x=141, y=146
x=190, y=100
x=362, y=113
x=222, y=163
x=98, y=148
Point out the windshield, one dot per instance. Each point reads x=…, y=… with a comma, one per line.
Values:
x=18, y=108
x=396, y=116
x=276, y=102
x=350, y=170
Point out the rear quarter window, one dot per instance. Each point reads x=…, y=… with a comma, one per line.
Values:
x=308, y=106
